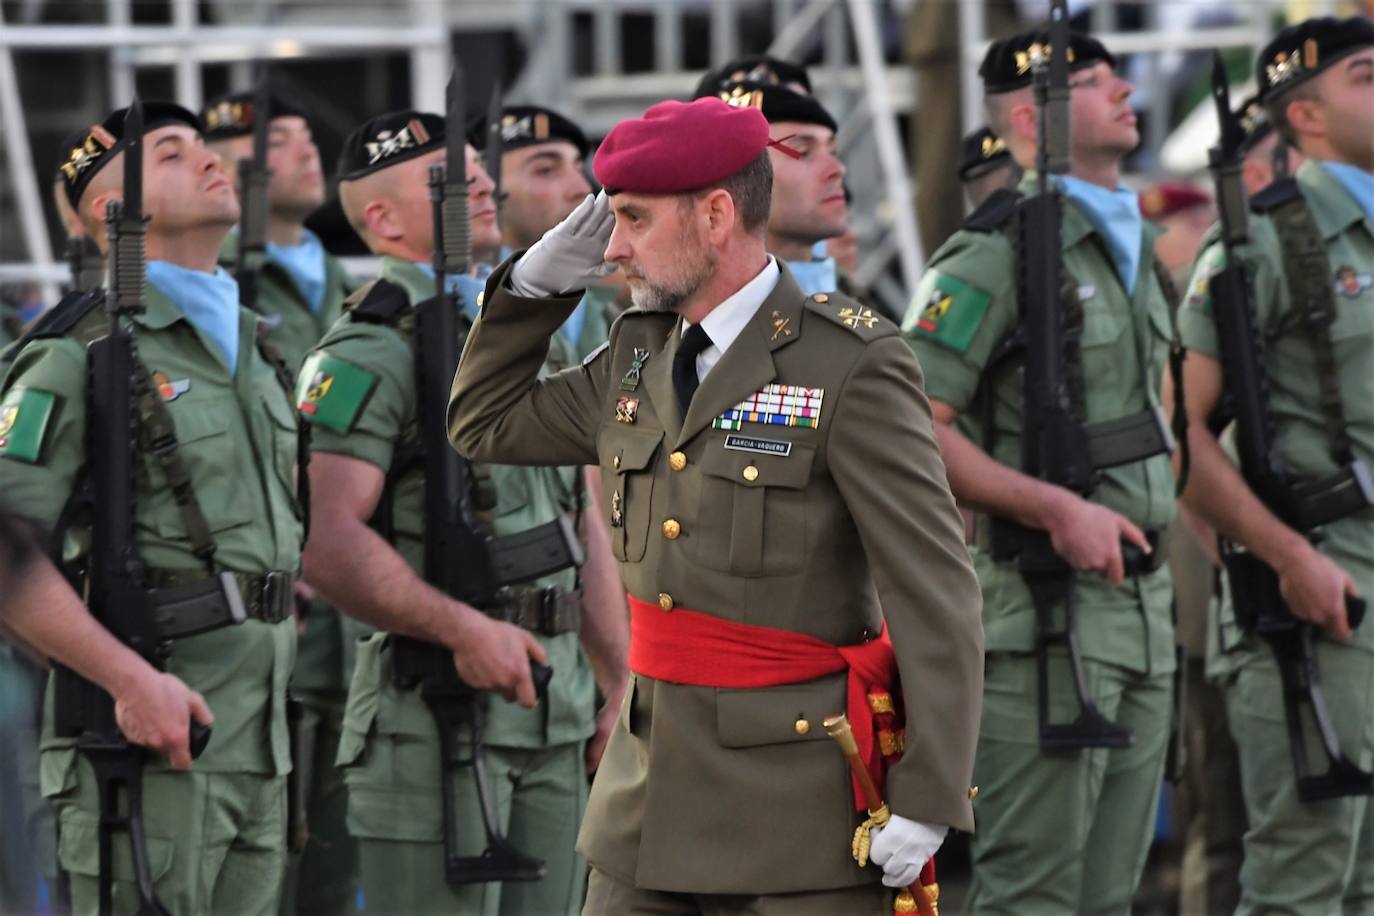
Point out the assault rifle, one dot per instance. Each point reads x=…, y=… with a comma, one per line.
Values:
x=119, y=598
x=458, y=555
x=253, y=179
x=1303, y=506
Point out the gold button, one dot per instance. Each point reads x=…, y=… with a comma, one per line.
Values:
x=822, y=298
x=665, y=601
x=972, y=792
x=802, y=726
x=615, y=462
x=677, y=461
x=751, y=473
x=671, y=529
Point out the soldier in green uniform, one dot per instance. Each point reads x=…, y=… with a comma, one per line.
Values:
x=809, y=204
x=230, y=536
x=1064, y=831
x=300, y=293
x=763, y=546
x=359, y=391
x=1316, y=83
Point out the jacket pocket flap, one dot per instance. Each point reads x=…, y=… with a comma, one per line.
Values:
x=632, y=449
x=754, y=469
x=778, y=715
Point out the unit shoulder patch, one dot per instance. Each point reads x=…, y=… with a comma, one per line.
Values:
x=332, y=392
x=865, y=322
x=25, y=417
x=948, y=310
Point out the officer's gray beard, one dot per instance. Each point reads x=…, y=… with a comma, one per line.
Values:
x=696, y=265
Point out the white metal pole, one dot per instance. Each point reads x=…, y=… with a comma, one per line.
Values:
x=429, y=62
x=188, y=87
x=972, y=35
x=121, y=62
x=22, y=173
x=890, y=155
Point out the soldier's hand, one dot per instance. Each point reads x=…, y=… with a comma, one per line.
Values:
x=493, y=655
x=571, y=255
x=605, y=724
x=155, y=710
x=1088, y=536
x=1314, y=588
x=902, y=848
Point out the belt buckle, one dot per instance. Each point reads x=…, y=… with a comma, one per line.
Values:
x=548, y=610
x=271, y=597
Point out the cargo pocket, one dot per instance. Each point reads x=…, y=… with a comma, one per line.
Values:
x=751, y=514
x=79, y=850
x=56, y=771
x=628, y=489
x=779, y=715
x=363, y=699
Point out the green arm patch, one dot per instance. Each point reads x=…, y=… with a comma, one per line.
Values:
x=24, y=417
x=950, y=310
x=332, y=392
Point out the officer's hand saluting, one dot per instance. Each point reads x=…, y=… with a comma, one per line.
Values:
x=571, y=256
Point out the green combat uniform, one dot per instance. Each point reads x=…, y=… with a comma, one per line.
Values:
x=1305, y=858
x=215, y=833
x=390, y=747
x=326, y=870
x=1064, y=832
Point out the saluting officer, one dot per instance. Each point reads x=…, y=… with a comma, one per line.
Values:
x=769, y=472
x=360, y=394
x=1316, y=83
x=216, y=526
x=1059, y=831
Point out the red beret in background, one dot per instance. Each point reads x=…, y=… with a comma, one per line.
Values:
x=1169, y=197
x=680, y=146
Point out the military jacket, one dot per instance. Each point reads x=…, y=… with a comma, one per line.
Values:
x=965, y=307
x=1302, y=445
x=292, y=327
x=373, y=369
x=237, y=437
x=825, y=524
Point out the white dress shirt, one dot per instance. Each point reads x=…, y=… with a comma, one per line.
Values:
x=726, y=320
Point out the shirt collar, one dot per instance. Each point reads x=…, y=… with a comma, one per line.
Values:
x=725, y=322
x=1339, y=194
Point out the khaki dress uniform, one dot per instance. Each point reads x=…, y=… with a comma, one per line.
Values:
x=1305, y=857
x=390, y=747
x=1060, y=833
x=824, y=530
x=216, y=833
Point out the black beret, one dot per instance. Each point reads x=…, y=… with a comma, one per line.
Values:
x=529, y=125
x=388, y=140
x=1253, y=119
x=759, y=68
x=1009, y=63
x=980, y=152
x=777, y=103
x=90, y=150
x=231, y=114
x=1299, y=52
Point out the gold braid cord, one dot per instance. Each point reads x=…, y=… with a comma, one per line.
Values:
x=863, y=839
x=906, y=903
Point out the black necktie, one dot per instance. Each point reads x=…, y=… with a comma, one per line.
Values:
x=685, y=379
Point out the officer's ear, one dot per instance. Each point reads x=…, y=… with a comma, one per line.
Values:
x=380, y=219
x=92, y=211
x=718, y=209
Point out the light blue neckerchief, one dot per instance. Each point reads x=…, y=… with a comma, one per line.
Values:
x=1116, y=217
x=466, y=288
x=304, y=263
x=1358, y=183
x=209, y=301
x=814, y=276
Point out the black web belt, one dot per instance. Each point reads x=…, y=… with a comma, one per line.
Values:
x=187, y=607
x=546, y=611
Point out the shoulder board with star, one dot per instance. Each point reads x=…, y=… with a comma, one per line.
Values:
x=866, y=322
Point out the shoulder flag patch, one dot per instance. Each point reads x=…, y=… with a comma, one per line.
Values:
x=950, y=310
x=332, y=392
x=24, y=417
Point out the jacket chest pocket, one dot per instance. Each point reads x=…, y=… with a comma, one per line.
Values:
x=284, y=432
x=751, y=513
x=206, y=449
x=627, y=484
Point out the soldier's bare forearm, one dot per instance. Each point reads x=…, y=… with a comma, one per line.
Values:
x=48, y=615
x=605, y=635
x=979, y=480
x=1220, y=496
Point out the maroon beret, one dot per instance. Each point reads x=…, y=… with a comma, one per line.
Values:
x=680, y=146
x=1169, y=197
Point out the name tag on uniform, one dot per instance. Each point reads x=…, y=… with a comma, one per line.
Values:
x=758, y=446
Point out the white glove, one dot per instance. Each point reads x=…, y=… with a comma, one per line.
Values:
x=571, y=255
x=903, y=847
